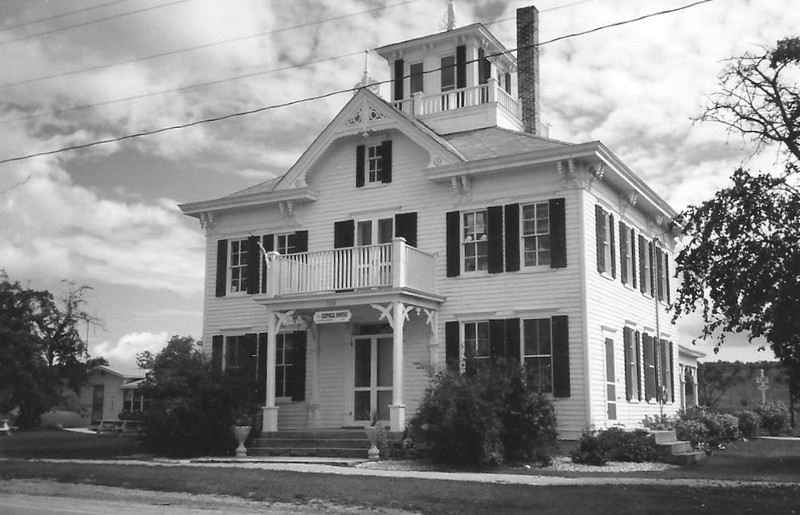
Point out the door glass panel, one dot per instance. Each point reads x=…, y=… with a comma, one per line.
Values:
x=384, y=399
x=385, y=230
x=385, y=362
x=361, y=408
x=363, y=362
x=364, y=233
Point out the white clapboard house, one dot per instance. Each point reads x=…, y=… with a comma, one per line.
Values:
x=437, y=222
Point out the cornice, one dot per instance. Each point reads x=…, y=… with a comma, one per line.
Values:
x=302, y=194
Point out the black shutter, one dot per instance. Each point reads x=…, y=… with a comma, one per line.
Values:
x=633, y=257
x=558, y=233
x=600, y=237
x=453, y=222
x=298, y=368
x=611, y=244
x=650, y=258
x=360, y=162
x=623, y=246
x=495, y=229
x=261, y=375
x=268, y=242
x=386, y=153
x=301, y=241
x=461, y=66
x=657, y=354
x=405, y=226
x=253, y=264
x=512, y=237
x=399, y=65
x=561, y=379
x=638, y=341
x=671, y=373
x=344, y=234
x=513, y=352
x=626, y=351
x=497, y=339
x=216, y=354
x=666, y=275
x=222, y=267
x=452, y=345
x=642, y=265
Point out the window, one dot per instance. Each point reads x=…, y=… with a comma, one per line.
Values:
x=448, y=73
x=238, y=266
x=538, y=353
x=134, y=401
x=283, y=365
x=475, y=240
x=285, y=244
x=374, y=164
x=476, y=339
x=650, y=368
x=536, y=234
x=604, y=229
x=416, y=78
x=666, y=379
x=240, y=353
x=374, y=231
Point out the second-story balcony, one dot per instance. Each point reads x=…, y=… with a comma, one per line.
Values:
x=489, y=93
x=388, y=266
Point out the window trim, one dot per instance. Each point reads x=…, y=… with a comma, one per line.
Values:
x=525, y=356
x=241, y=244
x=477, y=339
x=463, y=242
x=412, y=76
x=522, y=236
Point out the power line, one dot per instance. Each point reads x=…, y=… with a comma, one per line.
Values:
x=326, y=95
x=198, y=47
x=62, y=15
x=92, y=22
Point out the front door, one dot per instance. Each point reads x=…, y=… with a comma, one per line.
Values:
x=373, y=264
x=98, y=396
x=611, y=381
x=372, y=392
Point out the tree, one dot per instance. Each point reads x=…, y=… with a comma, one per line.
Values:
x=42, y=351
x=739, y=265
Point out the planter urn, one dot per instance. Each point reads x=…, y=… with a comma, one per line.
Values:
x=240, y=433
x=372, y=434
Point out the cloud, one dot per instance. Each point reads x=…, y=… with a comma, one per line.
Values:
x=121, y=354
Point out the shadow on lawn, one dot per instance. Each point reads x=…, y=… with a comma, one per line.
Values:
x=54, y=443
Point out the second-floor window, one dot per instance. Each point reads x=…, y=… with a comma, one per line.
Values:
x=604, y=231
x=448, y=73
x=536, y=234
x=416, y=78
x=285, y=243
x=626, y=270
x=238, y=266
x=475, y=240
x=374, y=163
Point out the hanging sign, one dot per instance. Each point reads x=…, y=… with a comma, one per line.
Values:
x=332, y=317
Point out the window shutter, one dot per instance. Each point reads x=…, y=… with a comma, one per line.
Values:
x=497, y=339
x=495, y=229
x=642, y=265
x=399, y=65
x=386, y=153
x=452, y=345
x=268, y=242
x=659, y=273
x=626, y=346
x=508, y=83
x=261, y=375
x=216, y=354
x=484, y=67
x=652, y=269
x=671, y=373
x=512, y=237
x=649, y=367
x=600, y=237
x=611, y=244
x=558, y=233
x=222, y=267
x=632, y=241
x=453, y=222
x=561, y=379
x=360, y=162
x=657, y=353
x=638, y=341
x=623, y=246
x=344, y=234
x=405, y=226
x=513, y=351
x=461, y=66
x=253, y=264
x=666, y=275
x=301, y=241
x=298, y=368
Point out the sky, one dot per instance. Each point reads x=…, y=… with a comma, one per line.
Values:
x=79, y=71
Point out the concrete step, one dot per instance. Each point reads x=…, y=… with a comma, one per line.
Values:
x=353, y=443
x=334, y=452
x=675, y=447
x=326, y=434
x=686, y=458
x=664, y=436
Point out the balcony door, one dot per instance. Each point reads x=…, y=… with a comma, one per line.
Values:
x=372, y=389
x=374, y=263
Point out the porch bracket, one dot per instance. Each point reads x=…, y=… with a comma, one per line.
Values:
x=283, y=318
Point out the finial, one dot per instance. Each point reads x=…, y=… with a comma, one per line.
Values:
x=450, y=17
x=367, y=81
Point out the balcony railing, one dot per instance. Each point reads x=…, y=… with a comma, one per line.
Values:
x=389, y=265
x=487, y=93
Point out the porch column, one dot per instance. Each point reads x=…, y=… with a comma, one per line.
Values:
x=313, y=369
x=397, y=410
x=270, y=411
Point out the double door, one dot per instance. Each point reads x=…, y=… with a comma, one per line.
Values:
x=372, y=389
x=374, y=263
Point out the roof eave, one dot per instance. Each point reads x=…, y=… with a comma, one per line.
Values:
x=303, y=194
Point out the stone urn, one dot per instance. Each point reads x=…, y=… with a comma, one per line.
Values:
x=241, y=433
x=372, y=434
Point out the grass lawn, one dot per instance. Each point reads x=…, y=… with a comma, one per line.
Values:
x=758, y=460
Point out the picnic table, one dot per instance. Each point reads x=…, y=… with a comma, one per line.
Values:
x=5, y=429
x=120, y=427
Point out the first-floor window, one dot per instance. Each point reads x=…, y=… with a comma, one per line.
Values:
x=475, y=239
x=240, y=353
x=538, y=353
x=134, y=401
x=238, y=266
x=283, y=365
x=536, y=234
x=476, y=339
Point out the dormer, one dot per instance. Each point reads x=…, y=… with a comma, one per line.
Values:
x=464, y=78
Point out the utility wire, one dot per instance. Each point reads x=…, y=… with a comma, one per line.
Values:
x=92, y=22
x=329, y=94
x=198, y=47
x=62, y=15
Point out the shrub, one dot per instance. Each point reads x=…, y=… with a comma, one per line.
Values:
x=693, y=431
x=774, y=418
x=616, y=444
x=590, y=450
x=749, y=423
x=719, y=428
x=528, y=424
x=658, y=422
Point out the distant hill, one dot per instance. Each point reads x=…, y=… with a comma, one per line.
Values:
x=732, y=386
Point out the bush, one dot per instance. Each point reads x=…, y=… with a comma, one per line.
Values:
x=692, y=431
x=484, y=417
x=718, y=428
x=615, y=444
x=658, y=422
x=774, y=418
x=749, y=423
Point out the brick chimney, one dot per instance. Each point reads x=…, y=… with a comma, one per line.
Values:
x=528, y=66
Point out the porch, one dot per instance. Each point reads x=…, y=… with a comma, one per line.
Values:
x=473, y=96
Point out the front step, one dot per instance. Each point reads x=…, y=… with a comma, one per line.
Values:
x=337, y=443
x=676, y=451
